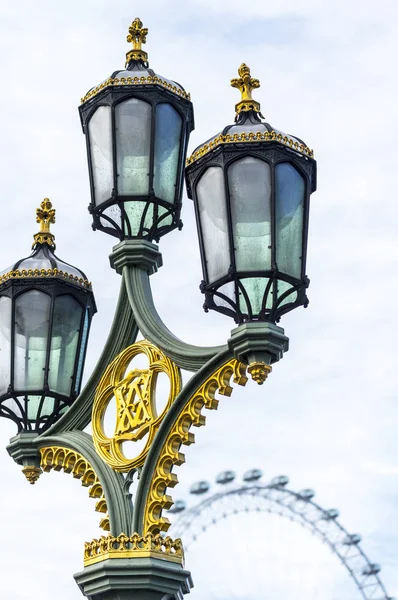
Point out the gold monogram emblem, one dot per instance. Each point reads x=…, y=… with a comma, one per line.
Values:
x=134, y=392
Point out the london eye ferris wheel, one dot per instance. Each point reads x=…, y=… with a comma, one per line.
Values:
x=271, y=556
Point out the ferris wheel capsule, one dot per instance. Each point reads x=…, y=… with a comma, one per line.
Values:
x=200, y=487
x=252, y=475
x=371, y=569
x=279, y=481
x=178, y=506
x=225, y=477
x=330, y=514
x=352, y=539
x=306, y=494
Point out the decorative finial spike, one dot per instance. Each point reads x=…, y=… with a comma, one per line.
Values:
x=32, y=473
x=246, y=84
x=259, y=371
x=137, y=37
x=45, y=215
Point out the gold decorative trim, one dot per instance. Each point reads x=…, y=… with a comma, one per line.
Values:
x=70, y=461
x=134, y=391
x=17, y=274
x=137, y=37
x=45, y=215
x=170, y=455
x=259, y=136
x=155, y=80
x=135, y=546
x=259, y=371
x=32, y=473
x=246, y=84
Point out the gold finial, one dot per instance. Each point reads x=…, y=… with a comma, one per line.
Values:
x=32, y=473
x=246, y=84
x=45, y=215
x=259, y=371
x=137, y=37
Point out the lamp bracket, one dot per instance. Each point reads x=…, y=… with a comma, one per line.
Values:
x=136, y=252
x=258, y=342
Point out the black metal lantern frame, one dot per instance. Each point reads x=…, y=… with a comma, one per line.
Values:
x=14, y=404
x=273, y=305
x=168, y=218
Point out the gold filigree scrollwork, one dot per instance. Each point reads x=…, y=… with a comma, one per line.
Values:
x=180, y=434
x=134, y=546
x=259, y=136
x=137, y=37
x=69, y=461
x=246, y=84
x=45, y=216
x=134, y=392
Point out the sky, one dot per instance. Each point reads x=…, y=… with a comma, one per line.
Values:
x=327, y=416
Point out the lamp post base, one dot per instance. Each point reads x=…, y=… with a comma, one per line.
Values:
x=134, y=579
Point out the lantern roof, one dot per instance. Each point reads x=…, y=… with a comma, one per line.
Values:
x=43, y=262
x=249, y=126
x=137, y=71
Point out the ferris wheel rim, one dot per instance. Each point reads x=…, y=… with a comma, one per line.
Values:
x=188, y=516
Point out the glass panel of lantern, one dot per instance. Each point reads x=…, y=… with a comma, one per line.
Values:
x=289, y=215
x=5, y=332
x=64, y=339
x=249, y=182
x=167, y=151
x=83, y=347
x=133, y=145
x=100, y=132
x=213, y=222
x=32, y=315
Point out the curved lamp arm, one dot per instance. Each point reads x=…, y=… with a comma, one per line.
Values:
x=186, y=356
x=123, y=332
x=136, y=260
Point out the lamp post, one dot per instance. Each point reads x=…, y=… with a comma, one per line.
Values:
x=251, y=186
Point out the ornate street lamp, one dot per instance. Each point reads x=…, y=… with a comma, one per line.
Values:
x=251, y=186
x=137, y=127
x=46, y=307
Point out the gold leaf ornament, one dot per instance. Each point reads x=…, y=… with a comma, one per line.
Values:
x=134, y=391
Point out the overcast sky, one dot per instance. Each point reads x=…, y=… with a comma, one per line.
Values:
x=328, y=414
